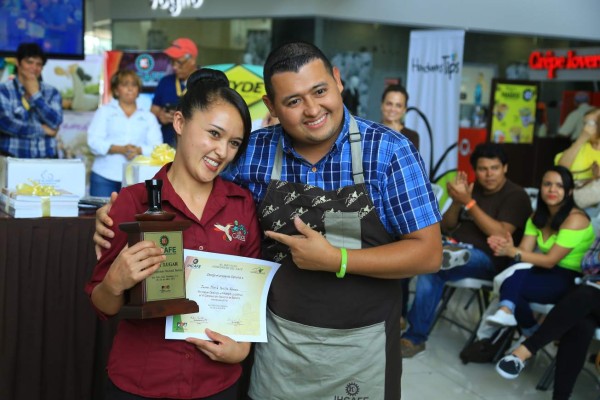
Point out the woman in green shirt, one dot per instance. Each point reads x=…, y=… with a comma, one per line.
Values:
x=562, y=233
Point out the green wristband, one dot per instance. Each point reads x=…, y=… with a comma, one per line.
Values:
x=343, y=264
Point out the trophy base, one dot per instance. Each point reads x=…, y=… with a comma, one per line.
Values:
x=159, y=308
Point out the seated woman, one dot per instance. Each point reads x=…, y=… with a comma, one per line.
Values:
x=562, y=233
x=572, y=322
x=119, y=132
x=394, y=101
x=582, y=158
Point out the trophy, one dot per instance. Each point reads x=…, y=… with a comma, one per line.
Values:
x=163, y=292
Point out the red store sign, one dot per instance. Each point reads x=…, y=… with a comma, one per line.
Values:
x=551, y=62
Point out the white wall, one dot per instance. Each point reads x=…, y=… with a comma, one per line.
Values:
x=577, y=19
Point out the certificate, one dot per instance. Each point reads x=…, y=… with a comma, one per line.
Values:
x=231, y=292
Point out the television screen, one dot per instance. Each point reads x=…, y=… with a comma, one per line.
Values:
x=56, y=25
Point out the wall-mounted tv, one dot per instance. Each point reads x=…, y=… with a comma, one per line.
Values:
x=56, y=25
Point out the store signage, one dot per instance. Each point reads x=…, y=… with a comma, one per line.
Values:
x=571, y=61
x=175, y=6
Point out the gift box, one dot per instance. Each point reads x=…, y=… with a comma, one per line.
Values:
x=66, y=174
x=142, y=168
x=53, y=203
x=135, y=173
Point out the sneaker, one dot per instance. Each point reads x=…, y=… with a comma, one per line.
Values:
x=510, y=367
x=454, y=256
x=409, y=349
x=502, y=318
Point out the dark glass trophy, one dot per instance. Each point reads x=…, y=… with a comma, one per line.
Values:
x=162, y=293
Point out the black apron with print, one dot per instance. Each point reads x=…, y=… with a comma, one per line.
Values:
x=328, y=337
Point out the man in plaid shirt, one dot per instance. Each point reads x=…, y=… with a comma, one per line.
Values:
x=30, y=110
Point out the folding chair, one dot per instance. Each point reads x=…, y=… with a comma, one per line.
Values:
x=480, y=289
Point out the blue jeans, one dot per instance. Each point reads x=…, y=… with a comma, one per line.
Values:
x=534, y=285
x=431, y=286
x=102, y=187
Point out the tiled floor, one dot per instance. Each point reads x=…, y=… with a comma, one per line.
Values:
x=438, y=373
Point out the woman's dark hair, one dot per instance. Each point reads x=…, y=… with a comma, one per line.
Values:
x=205, y=88
x=26, y=50
x=395, y=88
x=541, y=214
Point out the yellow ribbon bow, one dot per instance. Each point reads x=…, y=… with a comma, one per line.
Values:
x=36, y=189
x=162, y=154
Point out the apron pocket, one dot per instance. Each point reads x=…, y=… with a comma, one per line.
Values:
x=342, y=229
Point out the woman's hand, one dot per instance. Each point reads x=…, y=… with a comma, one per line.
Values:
x=133, y=265
x=221, y=348
x=589, y=129
x=502, y=245
x=131, y=151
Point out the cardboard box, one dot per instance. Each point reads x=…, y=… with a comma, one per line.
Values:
x=63, y=174
x=135, y=173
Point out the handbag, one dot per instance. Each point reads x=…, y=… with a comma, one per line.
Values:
x=588, y=194
x=590, y=264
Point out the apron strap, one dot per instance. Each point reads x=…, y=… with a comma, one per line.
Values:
x=277, y=164
x=355, y=151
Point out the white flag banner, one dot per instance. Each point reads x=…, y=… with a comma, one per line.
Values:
x=433, y=84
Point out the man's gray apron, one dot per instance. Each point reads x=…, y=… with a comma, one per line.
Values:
x=328, y=338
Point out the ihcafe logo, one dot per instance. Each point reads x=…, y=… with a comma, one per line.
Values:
x=164, y=240
x=449, y=65
x=352, y=391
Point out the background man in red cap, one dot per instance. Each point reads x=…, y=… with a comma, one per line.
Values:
x=183, y=53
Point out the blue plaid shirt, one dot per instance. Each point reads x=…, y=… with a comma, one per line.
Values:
x=21, y=133
x=394, y=172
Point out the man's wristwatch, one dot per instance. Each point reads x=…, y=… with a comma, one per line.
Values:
x=517, y=256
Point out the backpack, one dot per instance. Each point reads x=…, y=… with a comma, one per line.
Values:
x=488, y=350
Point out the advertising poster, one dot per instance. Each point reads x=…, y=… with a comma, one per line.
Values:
x=150, y=66
x=513, y=111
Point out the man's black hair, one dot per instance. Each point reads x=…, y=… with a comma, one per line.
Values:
x=26, y=50
x=488, y=150
x=290, y=57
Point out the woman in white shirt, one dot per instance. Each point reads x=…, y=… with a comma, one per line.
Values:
x=119, y=132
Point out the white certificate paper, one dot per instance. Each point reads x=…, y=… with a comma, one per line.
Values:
x=231, y=292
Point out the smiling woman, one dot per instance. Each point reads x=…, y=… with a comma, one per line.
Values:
x=213, y=125
x=394, y=102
